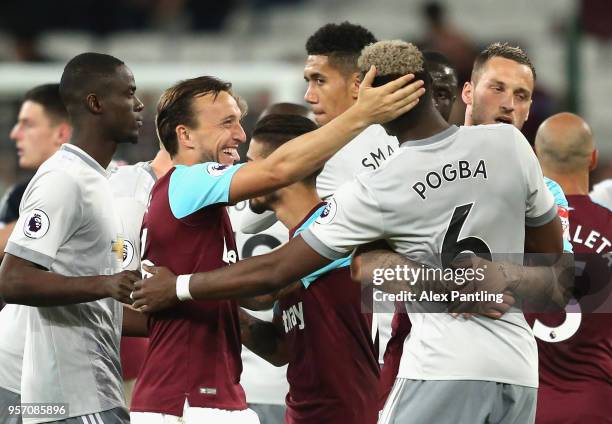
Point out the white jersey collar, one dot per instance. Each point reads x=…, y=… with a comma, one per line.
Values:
x=433, y=139
x=77, y=151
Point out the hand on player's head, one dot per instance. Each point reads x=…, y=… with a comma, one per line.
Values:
x=385, y=103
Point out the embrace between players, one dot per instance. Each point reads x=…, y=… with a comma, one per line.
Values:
x=452, y=370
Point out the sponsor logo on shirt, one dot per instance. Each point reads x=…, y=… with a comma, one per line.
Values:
x=293, y=317
x=328, y=213
x=117, y=247
x=36, y=224
x=216, y=169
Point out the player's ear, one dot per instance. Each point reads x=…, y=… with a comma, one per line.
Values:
x=64, y=133
x=355, y=81
x=467, y=94
x=93, y=103
x=594, y=159
x=183, y=137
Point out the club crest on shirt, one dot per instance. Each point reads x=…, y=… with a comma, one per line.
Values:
x=128, y=253
x=216, y=169
x=36, y=224
x=328, y=213
x=564, y=217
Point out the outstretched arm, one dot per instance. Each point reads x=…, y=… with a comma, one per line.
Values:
x=251, y=277
x=545, y=280
x=303, y=155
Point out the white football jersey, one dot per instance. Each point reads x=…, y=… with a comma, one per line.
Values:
x=468, y=188
x=131, y=186
x=68, y=225
x=365, y=152
x=13, y=325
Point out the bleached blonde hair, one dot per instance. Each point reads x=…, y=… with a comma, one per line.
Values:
x=391, y=57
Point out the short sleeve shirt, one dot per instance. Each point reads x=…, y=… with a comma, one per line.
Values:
x=478, y=183
x=68, y=225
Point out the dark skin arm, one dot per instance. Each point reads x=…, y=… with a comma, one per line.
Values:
x=251, y=277
x=265, y=339
x=378, y=255
x=26, y=283
x=265, y=302
x=272, y=271
x=537, y=284
x=134, y=323
x=549, y=281
x=546, y=278
x=259, y=303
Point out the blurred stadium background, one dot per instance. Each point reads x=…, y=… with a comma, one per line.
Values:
x=258, y=45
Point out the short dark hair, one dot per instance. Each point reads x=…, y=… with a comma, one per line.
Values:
x=437, y=58
x=175, y=107
x=342, y=43
x=48, y=96
x=85, y=73
x=504, y=50
x=276, y=129
x=434, y=12
x=285, y=108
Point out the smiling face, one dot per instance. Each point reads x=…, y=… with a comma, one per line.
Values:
x=501, y=93
x=218, y=132
x=122, y=107
x=330, y=92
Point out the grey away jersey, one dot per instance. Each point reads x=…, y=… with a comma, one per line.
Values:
x=68, y=225
x=365, y=152
x=13, y=323
x=490, y=178
x=131, y=186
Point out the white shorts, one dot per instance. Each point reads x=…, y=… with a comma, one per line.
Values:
x=197, y=416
